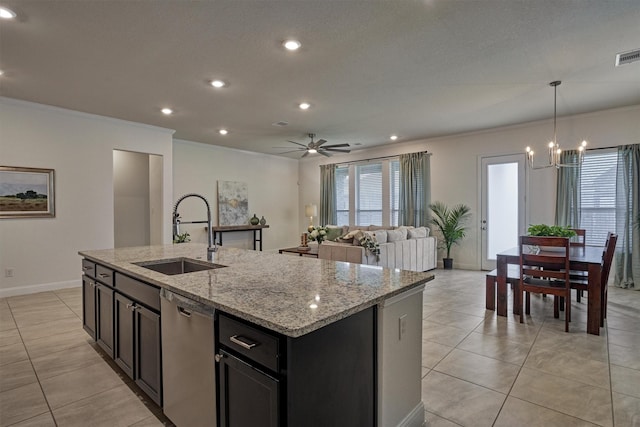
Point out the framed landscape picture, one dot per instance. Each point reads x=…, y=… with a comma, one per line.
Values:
x=26, y=192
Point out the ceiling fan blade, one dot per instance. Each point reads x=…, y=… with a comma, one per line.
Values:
x=297, y=143
x=337, y=150
x=289, y=148
x=290, y=151
x=337, y=145
x=306, y=153
x=324, y=153
x=319, y=142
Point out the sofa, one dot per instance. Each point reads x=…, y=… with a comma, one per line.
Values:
x=406, y=248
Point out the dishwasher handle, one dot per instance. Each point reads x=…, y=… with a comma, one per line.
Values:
x=183, y=311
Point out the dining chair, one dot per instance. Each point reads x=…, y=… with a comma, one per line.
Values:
x=544, y=269
x=580, y=283
x=579, y=240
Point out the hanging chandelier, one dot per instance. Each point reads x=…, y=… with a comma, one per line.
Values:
x=554, y=147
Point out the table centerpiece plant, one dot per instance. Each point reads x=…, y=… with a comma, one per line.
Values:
x=370, y=244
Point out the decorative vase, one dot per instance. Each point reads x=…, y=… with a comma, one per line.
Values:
x=254, y=220
x=263, y=221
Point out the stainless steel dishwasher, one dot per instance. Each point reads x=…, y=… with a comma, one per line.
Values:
x=188, y=367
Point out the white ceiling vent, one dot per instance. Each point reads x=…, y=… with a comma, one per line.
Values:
x=627, y=57
x=280, y=123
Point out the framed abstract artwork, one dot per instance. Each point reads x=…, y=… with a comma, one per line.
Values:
x=233, y=203
x=27, y=192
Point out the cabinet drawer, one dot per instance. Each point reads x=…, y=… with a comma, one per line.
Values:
x=140, y=291
x=104, y=274
x=251, y=342
x=89, y=268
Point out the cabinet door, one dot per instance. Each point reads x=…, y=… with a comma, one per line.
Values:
x=89, y=306
x=148, y=366
x=104, y=327
x=124, y=341
x=248, y=397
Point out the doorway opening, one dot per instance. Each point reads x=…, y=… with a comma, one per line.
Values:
x=137, y=199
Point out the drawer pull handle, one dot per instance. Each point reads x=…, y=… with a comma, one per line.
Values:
x=85, y=268
x=183, y=311
x=104, y=275
x=236, y=340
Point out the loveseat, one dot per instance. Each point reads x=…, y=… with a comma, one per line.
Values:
x=406, y=248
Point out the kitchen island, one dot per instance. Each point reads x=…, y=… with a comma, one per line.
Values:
x=336, y=338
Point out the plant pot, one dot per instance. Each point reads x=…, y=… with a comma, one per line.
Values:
x=447, y=263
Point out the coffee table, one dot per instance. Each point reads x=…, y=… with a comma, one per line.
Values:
x=311, y=252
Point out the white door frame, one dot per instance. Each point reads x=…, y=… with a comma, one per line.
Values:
x=486, y=262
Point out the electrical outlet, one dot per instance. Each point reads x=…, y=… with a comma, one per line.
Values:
x=8, y=272
x=402, y=326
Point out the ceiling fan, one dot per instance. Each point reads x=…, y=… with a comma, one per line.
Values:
x=317, y=147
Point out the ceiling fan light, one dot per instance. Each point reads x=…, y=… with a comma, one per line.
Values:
x=312, y=151
x=6, y=13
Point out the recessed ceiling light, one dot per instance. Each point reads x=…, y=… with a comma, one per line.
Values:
x=304, y=105
x=218, y=84
x=292, y=44
x=1, y=72
x=7, y=13
x=223, y=131
x=167, y=111
x=393, y=137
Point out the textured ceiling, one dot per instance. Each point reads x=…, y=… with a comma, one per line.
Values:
x=369, y=68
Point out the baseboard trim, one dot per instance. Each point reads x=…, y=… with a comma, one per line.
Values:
x=32, y=289
x=415, y=418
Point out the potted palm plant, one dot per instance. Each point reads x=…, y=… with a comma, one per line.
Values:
x=450, y=222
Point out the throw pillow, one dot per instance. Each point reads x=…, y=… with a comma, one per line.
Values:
x=380, y=235
x=415, y=233
x=333, y=232
x=396, y=235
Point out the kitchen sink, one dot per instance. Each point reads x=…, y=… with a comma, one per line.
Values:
x=175, y=266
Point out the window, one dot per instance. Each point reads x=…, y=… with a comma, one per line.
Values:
x=367, y=193
x=394, y=176
x=342, y=195
x=598, y=195
x=368, y=207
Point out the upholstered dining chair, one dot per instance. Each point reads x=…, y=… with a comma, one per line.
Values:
x=580, y=283
x=544, y=269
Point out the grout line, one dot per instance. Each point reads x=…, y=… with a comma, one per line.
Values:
x=613, y=412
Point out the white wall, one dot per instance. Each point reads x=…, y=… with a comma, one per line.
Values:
x=272, y=184
x=455, y=174
x=44, y=252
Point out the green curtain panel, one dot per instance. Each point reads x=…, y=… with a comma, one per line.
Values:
x=415, y=189
x=628, y=217
x=328, y=194
x=568, y=191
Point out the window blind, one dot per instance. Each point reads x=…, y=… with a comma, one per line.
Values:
x=368, y=207
x=598, y=195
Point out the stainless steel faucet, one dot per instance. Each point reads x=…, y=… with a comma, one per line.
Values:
x=212, y=247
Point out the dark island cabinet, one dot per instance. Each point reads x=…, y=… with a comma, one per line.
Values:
x=137, y=344
x=89, y=305
x=122, y=315
x=97, y=307
x=267, y=379
x=104, y=317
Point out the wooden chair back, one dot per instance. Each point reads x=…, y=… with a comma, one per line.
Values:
x=580, y=238
x=545, y=271
x=607, y=256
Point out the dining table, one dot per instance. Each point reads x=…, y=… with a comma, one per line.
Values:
x=581, y=258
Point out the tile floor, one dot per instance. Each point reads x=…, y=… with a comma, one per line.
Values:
x=478, y=369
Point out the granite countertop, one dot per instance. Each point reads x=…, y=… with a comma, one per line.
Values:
x=291, y=295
